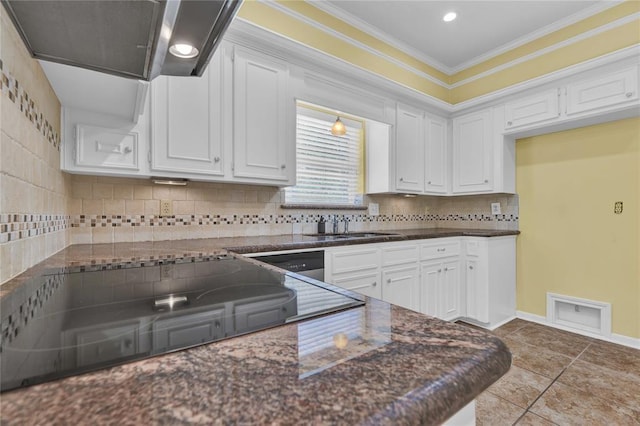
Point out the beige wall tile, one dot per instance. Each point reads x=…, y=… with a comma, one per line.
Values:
x=92, y=207
x=183, y=207
x=102, y=235
x=142, y=193
x=142, y=233
x=114, y=207
x=152, y=207
x=123, y=234
x=102, y=191
x=134, y=207
x=123, y=192
x=161, y=193
x=80, y=236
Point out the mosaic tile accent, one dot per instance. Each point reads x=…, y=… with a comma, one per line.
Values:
x=19, y=226
x=12, y=89
x=17, y=320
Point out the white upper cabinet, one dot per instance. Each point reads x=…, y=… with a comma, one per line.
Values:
x=436, y=156
x=538, y=108
x=473, y=152
x=409, y=149
x=613, y=89
x=187, y=124
x=264, y=119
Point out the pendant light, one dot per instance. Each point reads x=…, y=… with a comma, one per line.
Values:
x=338, y=128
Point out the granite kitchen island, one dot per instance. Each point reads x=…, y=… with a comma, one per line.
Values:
x=374, y=364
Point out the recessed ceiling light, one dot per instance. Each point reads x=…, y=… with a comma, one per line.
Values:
x=183, y=50
x=449, y=17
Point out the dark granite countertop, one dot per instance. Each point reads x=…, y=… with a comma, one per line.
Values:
x=403, y=368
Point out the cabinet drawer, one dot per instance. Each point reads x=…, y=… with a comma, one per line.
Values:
x=354, y=260
x=472, y=248
x=367, y=283
x=98, y=147
x=398, y=255
x=438, y=250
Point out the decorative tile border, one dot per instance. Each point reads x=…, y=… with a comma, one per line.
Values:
x=12, y=89
x=19, y=226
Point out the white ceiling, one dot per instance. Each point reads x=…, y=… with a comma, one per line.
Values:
x=481, y=30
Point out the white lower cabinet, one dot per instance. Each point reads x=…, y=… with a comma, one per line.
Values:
x=401, y=286
x=490, y=276
x=449, y=278
x=441, y=292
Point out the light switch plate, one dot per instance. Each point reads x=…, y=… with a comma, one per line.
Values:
x=495, y=208
x=374, y=209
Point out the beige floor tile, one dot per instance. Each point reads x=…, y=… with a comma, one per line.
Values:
x=615, y=357
x=510, y=327
x=567, y=406
x=494, y=411
x=520, y=386
x=552, y=339
x=530, y=419
x=613, y=385
x=542, y=361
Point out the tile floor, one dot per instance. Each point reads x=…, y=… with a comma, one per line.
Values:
x=562, y=378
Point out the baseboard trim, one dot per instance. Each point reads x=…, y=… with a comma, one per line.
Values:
x=484, y=325
x=620, y=339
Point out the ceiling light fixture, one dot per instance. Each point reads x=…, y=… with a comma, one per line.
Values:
x=338, y=128
x=450, y=16
x=183, y=50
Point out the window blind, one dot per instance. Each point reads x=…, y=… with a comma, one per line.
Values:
x=328, y=168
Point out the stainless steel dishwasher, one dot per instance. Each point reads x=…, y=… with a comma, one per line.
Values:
x=307, y=263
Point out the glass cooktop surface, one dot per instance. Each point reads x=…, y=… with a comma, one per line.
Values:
x=67, y=323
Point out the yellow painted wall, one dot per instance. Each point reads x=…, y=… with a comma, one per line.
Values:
x=572, y=243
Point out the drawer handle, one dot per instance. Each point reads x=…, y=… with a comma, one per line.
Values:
x=486, y=181
x=429, y=183
x=439, y=270
x=128, y=150
x=374, y=284
x=283, y=166
x=470, y=267
x=216, y=160
x=401, y=179
x=509, y=123
x=446, y=269
x=442, y=249
x=628, y=94
x=389, y=281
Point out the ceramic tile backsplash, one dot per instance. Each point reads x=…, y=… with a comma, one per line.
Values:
x=33, y=191
x=104, y=209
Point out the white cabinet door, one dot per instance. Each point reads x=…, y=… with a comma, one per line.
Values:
x=450, y=295
x=473, y=152
x=436, y=156
x=538, y=108
x=401, y=286
x=619, y=88
x=409, y=149
x=477, y=306
x=366, y=283
x=264, y=119
x=187, y=122
x=429, y=281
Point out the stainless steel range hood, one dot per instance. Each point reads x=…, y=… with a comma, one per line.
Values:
x=127, y=38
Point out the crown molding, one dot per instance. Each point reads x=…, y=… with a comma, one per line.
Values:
x=631, y=52
x=353, y=42
x=381, y=35
x=544, y=51
x=541, y=32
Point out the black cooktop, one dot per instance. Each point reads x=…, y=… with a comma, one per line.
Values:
x=66, y=323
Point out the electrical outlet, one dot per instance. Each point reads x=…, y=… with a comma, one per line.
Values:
x=166, y=208
x=495, y=208
x=617, y=207
x=374, y=209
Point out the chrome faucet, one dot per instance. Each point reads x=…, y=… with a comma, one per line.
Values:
x=346, y=225
x=335, y=224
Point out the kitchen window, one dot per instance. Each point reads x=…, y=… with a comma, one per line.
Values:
x=329, y=169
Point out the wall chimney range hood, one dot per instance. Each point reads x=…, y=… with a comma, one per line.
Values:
x=126, y=38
